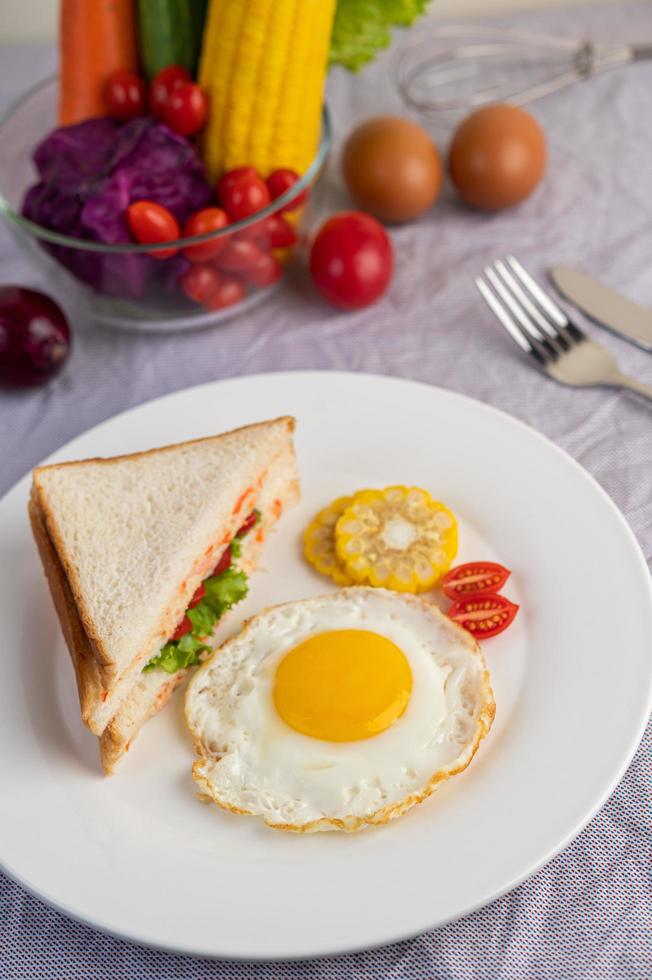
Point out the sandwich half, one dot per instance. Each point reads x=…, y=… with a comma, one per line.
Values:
x=144, y=554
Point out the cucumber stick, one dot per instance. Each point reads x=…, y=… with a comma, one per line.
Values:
x=169, y=33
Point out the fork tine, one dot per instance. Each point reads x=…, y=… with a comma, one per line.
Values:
x=506, y=321
x=545, y=302
x=533, y=312
x=513, y=307
x=517, y=311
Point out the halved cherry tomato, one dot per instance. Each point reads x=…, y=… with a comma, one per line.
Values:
x=240, y=254
x=125, y=95
x=484, y=615
x=200, y=592
x=186, y=109
x=263, y=272
x=244, y=196
x=200, y=282
x=202, y=223
x=150, y=222
x=280, y=181
x=229, y=292
x=227, y=180
x=475, y=576
x=184, y=627
x=163, y=84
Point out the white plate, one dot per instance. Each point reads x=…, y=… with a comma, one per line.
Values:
x=138, y=856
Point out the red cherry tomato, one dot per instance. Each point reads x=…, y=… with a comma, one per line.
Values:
x=280, y=181
x=202, y=223
x=264, y=272
x=200, y=592
x=240, y=254
x=485, y=614
x=186, y=109
x=184, y=627
x=277, y=232
x=224, y=562
x=150, y=222
x=351, y=260
x=163, y=83
x=245, y=195
x=475, y=576
x=200, y=282
x=227, y=180
x=229, y=292
x=125, y=95
x=251, y=521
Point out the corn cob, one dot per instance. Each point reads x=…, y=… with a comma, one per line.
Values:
x=263, y=65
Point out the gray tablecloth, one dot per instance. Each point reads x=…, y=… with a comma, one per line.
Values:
x=588, y=914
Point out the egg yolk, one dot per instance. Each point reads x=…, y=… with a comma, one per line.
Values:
x=343, y=685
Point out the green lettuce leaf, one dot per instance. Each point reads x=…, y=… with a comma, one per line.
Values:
x=177, y=654
x=224, y=590
x=203, y=619
x=363, y=27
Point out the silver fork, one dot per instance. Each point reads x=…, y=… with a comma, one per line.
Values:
x=543, y=331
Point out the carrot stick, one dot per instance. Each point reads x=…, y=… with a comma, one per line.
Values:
x=97, y=38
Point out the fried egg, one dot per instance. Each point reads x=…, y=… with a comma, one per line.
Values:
x=338, y=712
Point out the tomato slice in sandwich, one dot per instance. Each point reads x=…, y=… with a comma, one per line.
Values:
x=474, y=577
x=484, y=615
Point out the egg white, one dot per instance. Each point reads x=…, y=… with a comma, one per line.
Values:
x=252, y=762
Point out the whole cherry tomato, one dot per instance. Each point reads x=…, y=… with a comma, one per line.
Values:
x=280, y=181
x=239, y=255
x=244, y=196
x=227, y=180
x=202, y=223
x=186, y=109
x=125, y=95
x=163, y=83
x=263, y=272
x=150, y=222
x=277, y=232
x=229, y=292
x=200, y=282
x=351, y=260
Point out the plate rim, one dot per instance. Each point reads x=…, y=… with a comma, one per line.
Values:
x=493, y=894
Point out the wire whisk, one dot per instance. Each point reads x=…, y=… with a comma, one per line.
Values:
x=442, y=69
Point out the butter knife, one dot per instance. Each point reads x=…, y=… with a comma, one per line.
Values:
x=607, y=307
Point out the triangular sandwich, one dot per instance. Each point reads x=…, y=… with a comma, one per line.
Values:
x=144, y=553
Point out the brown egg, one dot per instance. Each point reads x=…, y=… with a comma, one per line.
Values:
x=497, y=157
x=392, y=168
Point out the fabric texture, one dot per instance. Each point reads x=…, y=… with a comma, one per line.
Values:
x=588, y=913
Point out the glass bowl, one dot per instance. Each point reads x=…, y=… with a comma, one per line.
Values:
x=153, y=299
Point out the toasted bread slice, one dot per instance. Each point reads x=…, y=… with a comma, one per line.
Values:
x=135, y=535
x=73, y=555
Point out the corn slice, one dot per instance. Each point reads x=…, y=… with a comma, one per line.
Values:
x=319, y=542
x=397, y=538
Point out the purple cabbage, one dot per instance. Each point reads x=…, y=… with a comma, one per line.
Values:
x=91, y=172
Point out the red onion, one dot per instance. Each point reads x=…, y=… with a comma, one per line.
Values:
x=34, y=337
